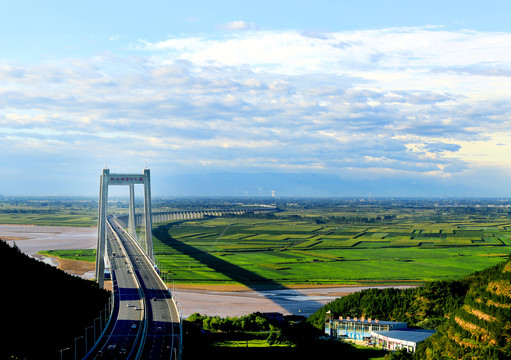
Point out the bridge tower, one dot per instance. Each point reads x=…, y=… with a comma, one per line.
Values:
x=105, y=180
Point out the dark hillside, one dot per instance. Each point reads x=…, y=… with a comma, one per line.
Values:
x=43, y=308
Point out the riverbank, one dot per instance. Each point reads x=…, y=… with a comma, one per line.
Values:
x=319, y=287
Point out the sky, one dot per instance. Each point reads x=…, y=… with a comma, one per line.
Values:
x=325, y=98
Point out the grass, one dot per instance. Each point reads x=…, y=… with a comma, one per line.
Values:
x=54, y=220
x=258, y=343
x=82, y=255
x=249, y=346
x=194, y=256
x=49, y=213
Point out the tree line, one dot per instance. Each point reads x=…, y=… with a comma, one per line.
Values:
x=423, y=306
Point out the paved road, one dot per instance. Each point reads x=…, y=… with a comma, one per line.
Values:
x=145, y=322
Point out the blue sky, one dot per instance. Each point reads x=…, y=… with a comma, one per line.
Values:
x=369, y=92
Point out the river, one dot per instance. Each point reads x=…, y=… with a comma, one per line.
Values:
x=32, y=239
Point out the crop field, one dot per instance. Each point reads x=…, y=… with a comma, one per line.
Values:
x=54, y=220
x=288, y=250
x=309, y=242
x=49, y=212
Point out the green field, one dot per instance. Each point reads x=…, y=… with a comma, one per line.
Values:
x=49, y=212
x=309, y=241
x=247, y=343
x=281, y=251
x=81, y=255
x=56, y=220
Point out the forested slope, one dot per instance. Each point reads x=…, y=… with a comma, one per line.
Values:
x=43, y=308
x=423, y=306
x=472, y=315
x=481, y=327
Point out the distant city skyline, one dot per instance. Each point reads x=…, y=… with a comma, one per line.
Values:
x=323, y=98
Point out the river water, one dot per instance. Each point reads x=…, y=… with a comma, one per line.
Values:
x=32, y=239
x=237, y=303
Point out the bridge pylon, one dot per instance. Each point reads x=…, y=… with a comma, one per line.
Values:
x=106, y=179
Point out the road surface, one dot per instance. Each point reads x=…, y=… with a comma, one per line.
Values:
x=145, y=321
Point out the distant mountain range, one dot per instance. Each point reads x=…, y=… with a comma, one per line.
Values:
x=290, y=184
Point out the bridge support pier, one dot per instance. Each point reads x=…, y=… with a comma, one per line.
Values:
x=131, y=214
x=148, y=215
x=101, y=245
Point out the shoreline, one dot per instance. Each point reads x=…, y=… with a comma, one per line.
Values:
x=73, y=267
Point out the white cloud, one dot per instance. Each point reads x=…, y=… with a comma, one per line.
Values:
x=237, y=25
x=406, y=47
x=415, y=100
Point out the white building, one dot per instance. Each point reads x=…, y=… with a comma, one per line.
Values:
x=402, y=338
